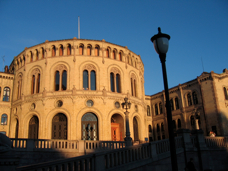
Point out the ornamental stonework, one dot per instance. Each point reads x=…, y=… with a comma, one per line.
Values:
x=89, y=67
x=61, y=67
x=115, y=70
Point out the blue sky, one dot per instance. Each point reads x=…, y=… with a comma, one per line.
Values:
x=198, y=30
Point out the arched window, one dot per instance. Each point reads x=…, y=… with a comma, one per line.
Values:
x=195, y=99
x=158, y=128
x=114, y=54
x=19, y=86
x=42, y=51
x=16, y=128
x=37, y=55
x=160, y=107
x=0, y=91
x=156, y=109
x=35, y=84
x=31, y=54
x=133, y=85
x=69, y=49
x=89, y=50
x=93, y=80
x=64, y=80
x=90, y=127
x=179, y=123
x=189, y=99
x=57, y=80
x=85, y=80
x=225, y=93
x=171, y=104
x=176, y=103
x=6, y=94
x=59, y=126
x=112, y=82
x=60, y=82
x=61, y=50
x=120, y=56
x=135, y=129
x=81, y=49
x=149, y=128
x=38, y=84
x=174, y=124
x=192, y=120
x=148, y=110
x=107, y=53
x=4, y=119
x=118, y=87
x=97, y=48
x=33, y=128
x=162, y=126
x=53, y=51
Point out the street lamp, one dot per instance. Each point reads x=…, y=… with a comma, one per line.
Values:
x=161, y=44
x=127, y=105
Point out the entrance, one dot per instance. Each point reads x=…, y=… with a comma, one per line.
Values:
x=59, y=126
x=115, y=128
x=33, y=128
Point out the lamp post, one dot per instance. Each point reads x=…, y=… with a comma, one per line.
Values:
x=127, y=105
x=161, y=44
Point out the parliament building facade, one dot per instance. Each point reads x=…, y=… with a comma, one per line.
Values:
x=73, y=89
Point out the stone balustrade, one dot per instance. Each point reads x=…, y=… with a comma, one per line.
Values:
x=216, y=142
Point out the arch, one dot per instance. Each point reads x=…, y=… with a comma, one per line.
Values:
x=89, y=77
x=61, y=50
x=117, y=127
x=93, y=80
x=108, y=52
x=19, y=86
x=85, y=80
x=4, y=118
x=37, y=54
x=64, y=80
x=59, y=126
x=81, y=49
x=194, y=98
x=171, y=104
x=42, y=53
x=136, y=129
x=89, y=127
x=53, y=50
x=31, y=56
x=161, y=107
x=114, y=53
x=35, y=81
x=189, y=99
x=112, y=82
x=89, y=50
x=97, y=49
x=121, y=55
x=133, y=85
x=149, y=128
x=68, y=49
x=176, y=103
x=61, y=77
x=148, y=110
x=57, y=80
x=33, y=128
x=156, y=109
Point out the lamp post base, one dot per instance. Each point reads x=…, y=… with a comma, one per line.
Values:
x=128, y=141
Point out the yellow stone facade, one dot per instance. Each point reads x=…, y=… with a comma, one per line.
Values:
x=39, y=92
x=74, y=56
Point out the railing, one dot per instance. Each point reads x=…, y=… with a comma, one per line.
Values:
x=111, y=159
x=19, y=143
x=216, y=142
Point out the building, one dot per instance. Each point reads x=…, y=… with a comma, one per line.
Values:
x=199, y=103
x=73, y=89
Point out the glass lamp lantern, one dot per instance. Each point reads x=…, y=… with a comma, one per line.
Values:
x=161, y=42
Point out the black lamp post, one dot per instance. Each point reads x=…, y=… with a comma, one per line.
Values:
x=127, y=105
x=161, y=44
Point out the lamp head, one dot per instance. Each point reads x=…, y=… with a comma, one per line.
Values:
x=161, y=42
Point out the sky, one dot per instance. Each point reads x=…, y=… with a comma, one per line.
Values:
x=198, y=30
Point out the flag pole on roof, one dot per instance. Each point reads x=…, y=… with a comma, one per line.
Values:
x=78, y=27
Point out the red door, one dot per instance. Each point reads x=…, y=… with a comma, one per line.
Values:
x=115, y=131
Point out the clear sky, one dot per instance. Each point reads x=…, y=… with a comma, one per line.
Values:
x=198, y=30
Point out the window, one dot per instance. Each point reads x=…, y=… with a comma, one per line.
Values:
x=149, y=128
x=114, y=54
x=53, y=51
x=4, y=119
x=133, y=85
x=179, y=123
x=171, y=104
x=115, y=81
x=35, y=85
x=81, y=49
x=89, y=80
x=6, y=94
x=69, y=49
x=112, y=82
x=97, y=48
x=156, y=109
x=158, y=128
x=61, y=50
x=225, y=93
x=160, y=107
x=0, y=91
x=107, y=53
x=148, y=110
x=37, y=55
x=189, y=98
x=42, y=51
x=60, y=82
x=176, y=103
x=120, y=56
x=195, y=99
x=31, y=55
x=89, y=50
